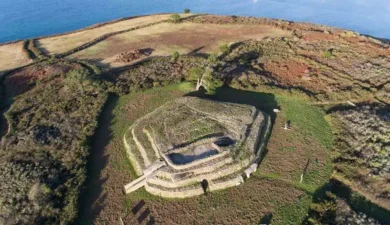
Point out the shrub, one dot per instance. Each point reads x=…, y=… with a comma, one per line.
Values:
x=327, y=54
x=211, y=83
x=175, y=56
x=224, y=48
x=244, y=60
x=212, y=59
x=175, y=18
x=196, y=73
x=187, y=10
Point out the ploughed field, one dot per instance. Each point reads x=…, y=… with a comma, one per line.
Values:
x=67, y=103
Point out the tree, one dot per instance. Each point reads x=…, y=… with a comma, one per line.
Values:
x=196, y=73
x=187, y=10
x=210, y=82
x=175, y=56
x=175, y=18
x=224, y=48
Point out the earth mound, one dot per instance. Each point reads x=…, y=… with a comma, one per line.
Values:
x=192, y=145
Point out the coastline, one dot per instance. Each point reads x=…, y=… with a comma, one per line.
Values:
x=303, y=26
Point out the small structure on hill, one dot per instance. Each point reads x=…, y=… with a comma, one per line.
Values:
x=191, y=141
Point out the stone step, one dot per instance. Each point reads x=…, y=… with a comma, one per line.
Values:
x=183, y=192
x=224, y=170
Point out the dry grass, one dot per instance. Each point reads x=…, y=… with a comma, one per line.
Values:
x=245, y=204
x=55, y=45
x=12, y=56
x=166, y=38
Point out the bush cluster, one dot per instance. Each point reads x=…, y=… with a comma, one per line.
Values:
x=43, y=156
x=175, y=18
x=364, y=138
x=158, y=72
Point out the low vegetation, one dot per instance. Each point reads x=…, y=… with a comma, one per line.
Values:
x=44, y=153
x=175, y=18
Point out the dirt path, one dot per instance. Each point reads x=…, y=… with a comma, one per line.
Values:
x=92, y=202
x=4, y=127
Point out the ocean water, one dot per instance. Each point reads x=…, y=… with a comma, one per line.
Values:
x=21, y=19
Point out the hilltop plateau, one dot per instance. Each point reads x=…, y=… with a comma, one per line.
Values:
x=76, y=124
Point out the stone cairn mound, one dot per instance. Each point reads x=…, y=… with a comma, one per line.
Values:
x=191, y=145
x=130, y=56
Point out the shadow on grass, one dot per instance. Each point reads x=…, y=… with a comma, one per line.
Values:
x=359, y=203
x=90, y=203
x=266, y=219
x=4, y=106
x=263, y=101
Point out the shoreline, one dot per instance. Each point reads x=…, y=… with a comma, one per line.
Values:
x=93, y=26
x=385, y=41
x=308, y=25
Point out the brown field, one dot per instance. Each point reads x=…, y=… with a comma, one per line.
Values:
x=59, y=44
x=12, y=56
x=164, y=39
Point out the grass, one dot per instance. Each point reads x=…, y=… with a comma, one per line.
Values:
x=327, y=54
x=165, y=38
x=306, y=119
x=13, y=56
x=275, y=192
x=293, y=213
x=309, y=119
x=59, y=44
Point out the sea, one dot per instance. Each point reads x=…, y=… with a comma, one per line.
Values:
x=22, y=19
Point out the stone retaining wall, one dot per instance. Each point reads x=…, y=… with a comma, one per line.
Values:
x=132, y=158
x=226, y=184
x=174, y=194
x=196, y=178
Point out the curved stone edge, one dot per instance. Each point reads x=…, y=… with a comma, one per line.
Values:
x=174, y=194
x=204, y=169
x=140, y=147
x=197, y=178
x=131, y=156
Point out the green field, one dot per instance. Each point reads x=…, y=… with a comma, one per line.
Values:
x=288, y=200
